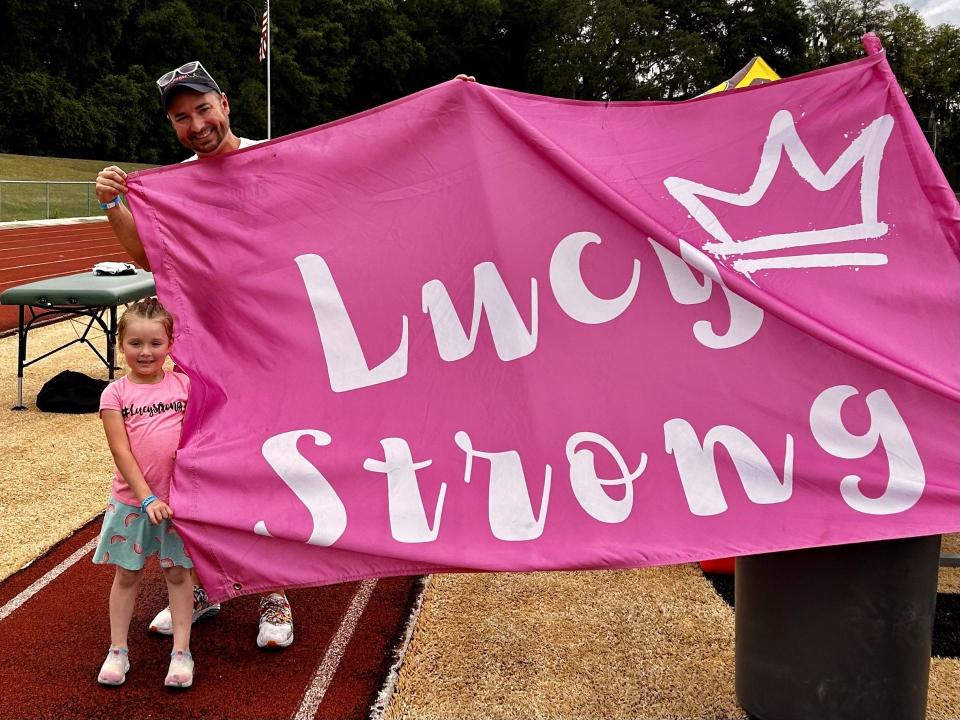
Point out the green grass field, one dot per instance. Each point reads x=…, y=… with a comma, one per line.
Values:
x=22, y=201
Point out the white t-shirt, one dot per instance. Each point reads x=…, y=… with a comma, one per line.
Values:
x=244, y=143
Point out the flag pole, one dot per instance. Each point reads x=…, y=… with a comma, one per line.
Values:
x=268, y=70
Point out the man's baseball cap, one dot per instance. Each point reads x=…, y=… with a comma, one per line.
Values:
x=192, y=76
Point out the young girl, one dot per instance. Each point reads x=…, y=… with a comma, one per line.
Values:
x=142, y=415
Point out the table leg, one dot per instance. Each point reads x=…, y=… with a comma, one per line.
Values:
x=112, y=340
x=21, y=358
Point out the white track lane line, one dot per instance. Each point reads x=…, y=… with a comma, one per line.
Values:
x=58, y=249
x=41, y=583
x=331, y=660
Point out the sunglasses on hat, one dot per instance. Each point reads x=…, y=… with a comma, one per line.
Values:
x=192, y=75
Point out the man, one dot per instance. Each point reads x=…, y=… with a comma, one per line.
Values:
x=200, y=116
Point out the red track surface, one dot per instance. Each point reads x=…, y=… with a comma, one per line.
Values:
x=56, y=639
x=37, y=253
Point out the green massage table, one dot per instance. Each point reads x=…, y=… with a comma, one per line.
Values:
x=82, y=295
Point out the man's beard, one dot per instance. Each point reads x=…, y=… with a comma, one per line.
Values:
x=209, y=142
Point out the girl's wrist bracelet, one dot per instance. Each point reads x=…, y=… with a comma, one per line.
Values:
x=146, y=501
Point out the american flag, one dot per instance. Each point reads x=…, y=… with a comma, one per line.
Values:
x=264, y=32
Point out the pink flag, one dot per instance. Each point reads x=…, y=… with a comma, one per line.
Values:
x=480, y=330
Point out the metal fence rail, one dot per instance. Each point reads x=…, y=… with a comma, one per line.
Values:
x=45, y=199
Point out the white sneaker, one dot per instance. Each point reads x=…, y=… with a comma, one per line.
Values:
x=115, y=668
x=276, y=622
x=180, y=673
x=163, y=622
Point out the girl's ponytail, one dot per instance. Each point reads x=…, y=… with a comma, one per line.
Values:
x=146, y=309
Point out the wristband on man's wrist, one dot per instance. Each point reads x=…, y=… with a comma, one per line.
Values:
x=112, y=204
x=146, y=501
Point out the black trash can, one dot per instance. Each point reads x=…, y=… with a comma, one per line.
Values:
x=837, y=633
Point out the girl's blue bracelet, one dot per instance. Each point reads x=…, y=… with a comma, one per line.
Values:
x=146, y=501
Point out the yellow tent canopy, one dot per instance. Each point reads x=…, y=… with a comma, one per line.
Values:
x=755, y=72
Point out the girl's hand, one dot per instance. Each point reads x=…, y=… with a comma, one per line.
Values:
x=158, y=511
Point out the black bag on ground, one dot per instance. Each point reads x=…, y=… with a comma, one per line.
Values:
x=71, y=392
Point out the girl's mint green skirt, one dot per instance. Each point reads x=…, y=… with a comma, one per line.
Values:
x=127, y=539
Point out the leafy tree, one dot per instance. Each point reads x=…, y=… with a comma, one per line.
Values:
x=606, y=50
x=168, y=33
x=121, y=109
x=618, y=49
x=925, y=61
x=27, y=104
x=839, y=25
x=78, y=77
x=382, y=50
x=777, y=30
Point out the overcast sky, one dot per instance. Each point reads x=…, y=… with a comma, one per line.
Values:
x=937, y=11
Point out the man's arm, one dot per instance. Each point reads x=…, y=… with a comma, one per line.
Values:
x=112, y=181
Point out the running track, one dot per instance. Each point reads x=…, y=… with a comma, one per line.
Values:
x=37, y=253
x=55, y=630
x=53, y=613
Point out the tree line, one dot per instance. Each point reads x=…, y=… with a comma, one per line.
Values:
x=77, y=79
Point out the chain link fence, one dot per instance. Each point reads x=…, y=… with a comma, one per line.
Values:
x=46, y=199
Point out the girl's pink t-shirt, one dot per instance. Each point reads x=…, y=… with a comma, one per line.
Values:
x=153, y=418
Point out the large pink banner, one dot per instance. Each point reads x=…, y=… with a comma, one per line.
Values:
x=480, y=330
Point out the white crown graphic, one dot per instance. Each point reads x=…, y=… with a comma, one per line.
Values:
x=867, y=148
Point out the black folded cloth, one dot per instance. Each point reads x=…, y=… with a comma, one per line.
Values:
x=71, y=392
